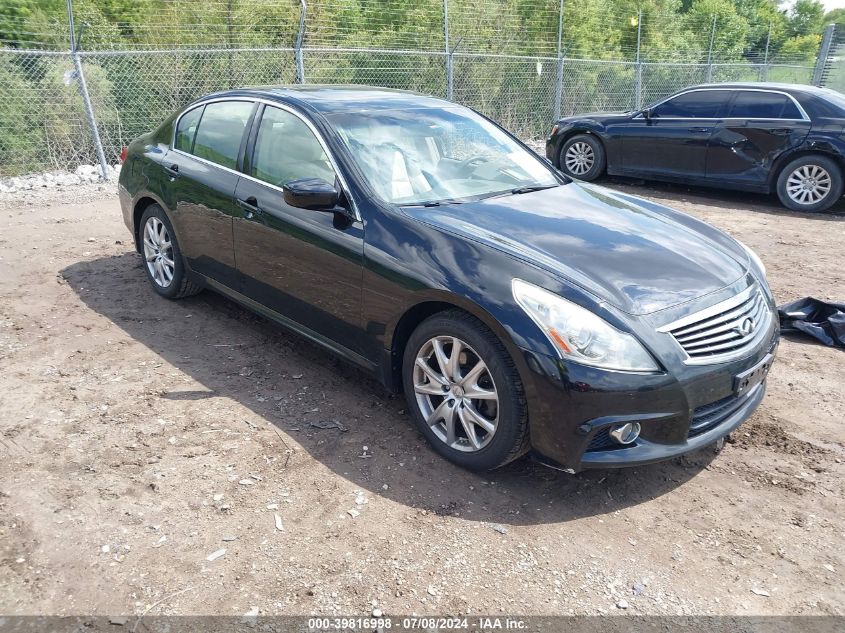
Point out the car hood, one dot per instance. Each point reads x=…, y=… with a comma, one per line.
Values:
x=638, y=256
x=596, y=115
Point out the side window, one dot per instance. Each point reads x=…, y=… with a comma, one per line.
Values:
x=187, y=129
x=286, y=149
x=698, y=104
x=221, y=129
x=753, y=104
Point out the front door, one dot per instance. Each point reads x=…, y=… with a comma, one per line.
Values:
x=305, y=265
x=671, y=138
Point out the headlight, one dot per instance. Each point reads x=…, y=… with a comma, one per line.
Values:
x=755, y=260
x=580, y=335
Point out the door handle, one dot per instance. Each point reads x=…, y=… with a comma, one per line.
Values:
x=172, y=170
x=699, y=130
x=250, y=205
x=782, y=131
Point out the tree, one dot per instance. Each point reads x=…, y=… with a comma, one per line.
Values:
x=806, y=18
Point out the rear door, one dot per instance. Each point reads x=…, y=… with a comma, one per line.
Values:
x=202, y=170
x=760, y=126
x=305, y=265
x=672, y=140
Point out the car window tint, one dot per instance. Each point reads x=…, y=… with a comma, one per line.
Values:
x=753, y=104
x=699, y=104
x=221, y=128
x=187, y=129
x=286, y=149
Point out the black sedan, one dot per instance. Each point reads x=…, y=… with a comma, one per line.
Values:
x=763, y=137
x=516, y=309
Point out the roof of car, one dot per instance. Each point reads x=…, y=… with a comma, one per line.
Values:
x=763, y=85
x=338, y=98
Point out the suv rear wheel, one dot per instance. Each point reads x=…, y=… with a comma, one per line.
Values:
x=810, y=183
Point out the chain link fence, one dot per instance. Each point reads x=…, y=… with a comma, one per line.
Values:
x=474, y=52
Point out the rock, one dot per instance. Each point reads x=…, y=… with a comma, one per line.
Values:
x=377, y=613
x=622, y=604
x=215, y=555
x=760, y=592
x=218, y=497
x=501, y=529
x=353, y=513
x=279, y=525
x=272, y=506
x=246, y=482
x=431, y=590
x=638, y=589
x=229, y=538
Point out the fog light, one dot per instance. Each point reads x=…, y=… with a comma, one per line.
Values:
x=625, y=433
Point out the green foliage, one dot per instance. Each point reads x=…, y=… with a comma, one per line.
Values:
x=505, y=65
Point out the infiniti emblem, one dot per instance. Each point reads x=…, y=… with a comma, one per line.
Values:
x=746, y=327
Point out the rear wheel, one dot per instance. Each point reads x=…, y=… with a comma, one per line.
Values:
x=810, y=183
x=582, y=157
x=162, y=257
x=465, y=393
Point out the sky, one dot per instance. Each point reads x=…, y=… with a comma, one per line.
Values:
x=830, y=5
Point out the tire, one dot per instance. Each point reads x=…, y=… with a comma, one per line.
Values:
x=176, y=284
x=812, y=170
x=477, y=448
x=587, y=157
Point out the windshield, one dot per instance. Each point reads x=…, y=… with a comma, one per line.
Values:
x=431, y=155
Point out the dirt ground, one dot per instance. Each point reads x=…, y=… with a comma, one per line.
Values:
x=140, y=438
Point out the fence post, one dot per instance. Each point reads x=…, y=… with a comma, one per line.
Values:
x=559, y=77
x=83, y=90
x=638, y=76
x=297, y=50
x=764, y=71
x=449, y=68
x=824, y=51
x=710, y=50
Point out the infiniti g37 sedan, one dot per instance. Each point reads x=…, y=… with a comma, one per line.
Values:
x=769, y=138
x=519, y=311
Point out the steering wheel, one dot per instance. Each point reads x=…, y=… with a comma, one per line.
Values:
x=473, y=160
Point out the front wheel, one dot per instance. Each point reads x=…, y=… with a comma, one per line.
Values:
x=465, y=392
x=582, y=157
x=810, y=183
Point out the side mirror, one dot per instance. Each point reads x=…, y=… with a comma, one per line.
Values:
x=311, y=193
x=647, y=114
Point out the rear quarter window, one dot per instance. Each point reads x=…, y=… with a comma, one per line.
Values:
x=187, y=130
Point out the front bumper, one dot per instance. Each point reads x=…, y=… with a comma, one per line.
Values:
x=574, y=406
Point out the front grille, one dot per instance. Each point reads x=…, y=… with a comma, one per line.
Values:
x=711, y=415
x=725, y=330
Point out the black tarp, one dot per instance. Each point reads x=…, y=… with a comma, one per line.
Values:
x=819, y=319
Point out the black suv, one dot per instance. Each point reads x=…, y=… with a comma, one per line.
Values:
x=762, y=137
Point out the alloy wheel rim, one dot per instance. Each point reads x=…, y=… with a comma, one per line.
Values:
x=158, y=252
x=808, y=184
x=456, y=394
x=579, y=158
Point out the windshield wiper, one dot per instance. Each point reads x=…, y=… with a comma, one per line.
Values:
x=530, y=188
x=434, y=203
